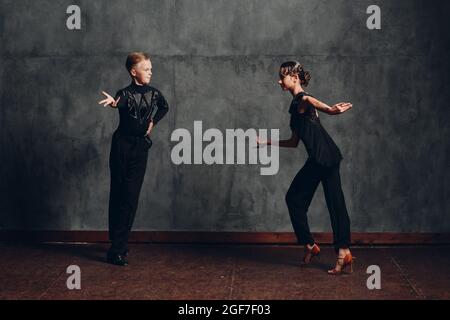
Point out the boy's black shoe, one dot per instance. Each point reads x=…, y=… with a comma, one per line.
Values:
x=117, y=259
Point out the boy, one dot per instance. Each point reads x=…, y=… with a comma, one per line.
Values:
x=141, y=107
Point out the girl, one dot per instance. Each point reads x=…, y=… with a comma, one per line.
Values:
x=322, y=166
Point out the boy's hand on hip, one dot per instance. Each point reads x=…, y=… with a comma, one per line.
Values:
x=150, y=127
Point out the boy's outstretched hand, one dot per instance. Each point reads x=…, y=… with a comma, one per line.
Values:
x=109, y=101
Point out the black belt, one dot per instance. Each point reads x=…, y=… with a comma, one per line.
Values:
x=147, y=142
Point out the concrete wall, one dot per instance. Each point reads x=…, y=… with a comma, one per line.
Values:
x=217, y=61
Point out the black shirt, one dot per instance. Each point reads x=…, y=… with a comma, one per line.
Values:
x=138, y=106
x=319, y=145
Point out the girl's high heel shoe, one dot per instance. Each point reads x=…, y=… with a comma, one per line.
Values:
x=345, y=265
x=310, y=253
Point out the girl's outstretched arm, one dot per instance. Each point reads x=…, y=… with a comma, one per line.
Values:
x=292, y=142
x=338, y=108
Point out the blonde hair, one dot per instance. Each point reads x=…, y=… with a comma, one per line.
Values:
x=134, y=58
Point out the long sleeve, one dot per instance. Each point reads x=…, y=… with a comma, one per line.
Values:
x=138, y=106
x=123, y=99
x=163, y=108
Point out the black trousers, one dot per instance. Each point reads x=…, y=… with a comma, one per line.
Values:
x=128, y=163
x=300, y=195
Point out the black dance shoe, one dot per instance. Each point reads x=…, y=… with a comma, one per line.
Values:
x=117, y=259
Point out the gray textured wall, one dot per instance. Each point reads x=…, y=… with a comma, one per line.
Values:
x=217, y=61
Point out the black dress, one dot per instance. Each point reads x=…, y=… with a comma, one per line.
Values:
x=318, y=143
x=322, y=167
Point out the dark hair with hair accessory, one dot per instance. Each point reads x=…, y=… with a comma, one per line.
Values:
x=295, y=68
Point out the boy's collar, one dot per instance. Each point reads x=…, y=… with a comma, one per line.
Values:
x=138, y=88
x=134, y=84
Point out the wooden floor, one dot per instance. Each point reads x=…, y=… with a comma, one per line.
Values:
x=172, y=271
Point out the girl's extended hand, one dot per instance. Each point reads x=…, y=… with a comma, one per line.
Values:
x=341, y=107
x=260, y=142
x=109, y=101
